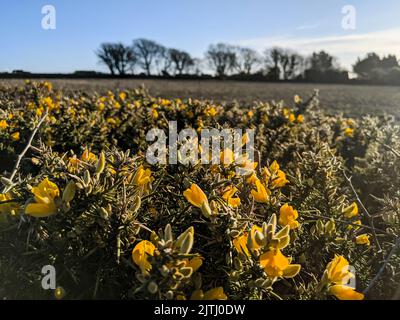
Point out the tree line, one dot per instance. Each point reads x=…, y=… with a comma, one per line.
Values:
x=150, y=58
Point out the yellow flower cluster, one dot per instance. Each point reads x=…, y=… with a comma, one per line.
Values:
x=336, y=276
x=266, y=244
x=258, y=222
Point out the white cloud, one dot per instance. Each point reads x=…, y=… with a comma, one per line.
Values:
x=345, y=47
x=308, y=26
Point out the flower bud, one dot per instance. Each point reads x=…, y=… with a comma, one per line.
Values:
x=206, y=210
x=152, y=287
x=69, y=192
x=187, y=243
x=101, y=164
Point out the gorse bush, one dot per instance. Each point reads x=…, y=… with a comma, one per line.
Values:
x=319, y=206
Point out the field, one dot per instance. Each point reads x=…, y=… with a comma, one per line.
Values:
x=86, y=193
x=352, y=100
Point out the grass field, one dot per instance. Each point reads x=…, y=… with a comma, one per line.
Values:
x=352, y=100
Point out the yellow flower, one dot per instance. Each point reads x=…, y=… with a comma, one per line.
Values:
x=45, y=194
x=15, y=136
x=280, y=180
x=245, y=165
x=213, y=294
x=297, y=99
x=278, y=176
x=73, y=164
x=154, y=113
x=292, y=117
x=350, y=211
x=112, y=122
x=274, y=167
x=358, y=223
x=122, y=96
x=286, y=112
x=194, y=263
x=337, y=271
x=275, y=264
x=142, y=177
x=228, y=194
x=240, y=244
x=48, y=102
x=288, y=216
x=101, y=106
x=39, y=112
x=197, y=198
x=363, y=239
x=345, y=293
x=195, y=195
x=226, y=157
x=261, y=194
x=3, y=124
x=245, y=139
x=9, y=207
x=252, y=179
x=140, y=254
x=250, y=114
x=210, y=112
x=349, y=132
x=300, y=118
x=88, y=156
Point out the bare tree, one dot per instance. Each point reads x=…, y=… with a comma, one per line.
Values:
x=296, y=65
x=117, y=57
x=163, y=61
x=106, y=57
x=272, y=60
x=147, y=52
x=197, y=66
x=246, y=60
x=290, y=63
x=222, y=58
x=283, y=63
x=124, y=57
x=181, y=59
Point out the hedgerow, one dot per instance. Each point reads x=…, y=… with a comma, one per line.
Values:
x=77, y=193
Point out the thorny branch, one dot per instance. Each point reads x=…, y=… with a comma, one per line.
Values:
x=383, y=267
x=368, y=215
x=9, y=181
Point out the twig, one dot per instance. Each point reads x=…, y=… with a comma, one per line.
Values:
x=391, y=149
x=397, y=153
x=368, y=215
x=22, y=154
x=383, y=267
x=307, y=214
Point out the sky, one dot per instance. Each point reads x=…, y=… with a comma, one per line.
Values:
x=82, y=25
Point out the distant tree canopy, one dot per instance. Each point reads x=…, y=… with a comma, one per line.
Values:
x=246, y=60
x=283, y=64
x=181, y=60
x=321, y=61
x=372, y=67
x=222, y=58
x=238, y=62
x=147, y=53
x=323, y=68
x=117, y=57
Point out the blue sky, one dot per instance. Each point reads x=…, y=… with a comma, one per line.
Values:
x=303, y=25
